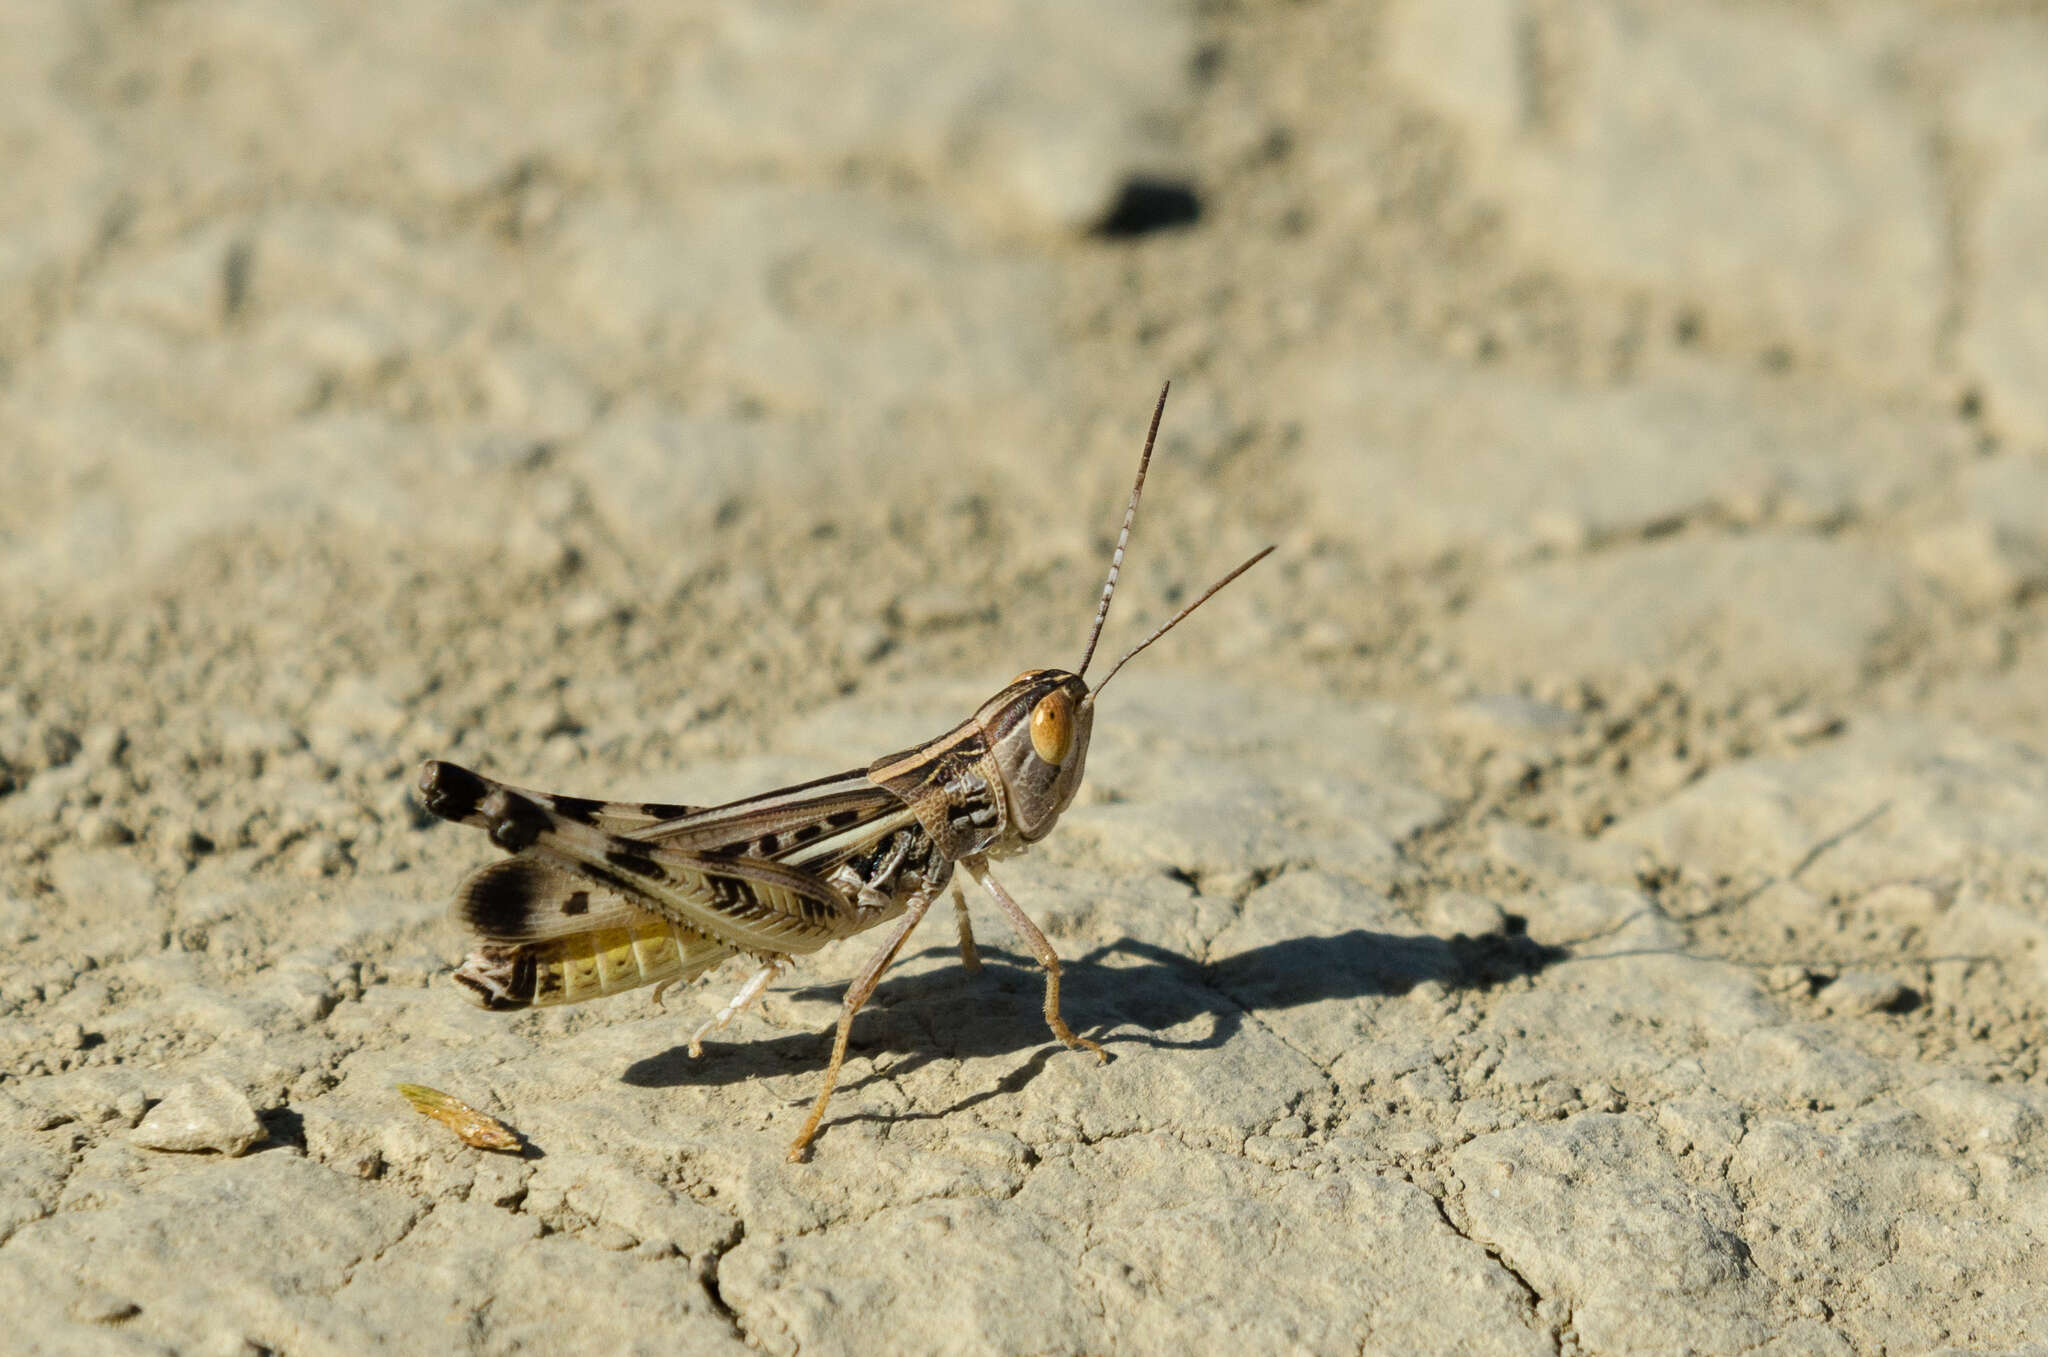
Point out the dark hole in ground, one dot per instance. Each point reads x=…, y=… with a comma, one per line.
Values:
x=1148, y=205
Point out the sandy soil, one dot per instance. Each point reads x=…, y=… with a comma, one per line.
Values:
x=1587, y=893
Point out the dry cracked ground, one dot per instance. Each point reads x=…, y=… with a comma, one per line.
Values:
x=1586, y=893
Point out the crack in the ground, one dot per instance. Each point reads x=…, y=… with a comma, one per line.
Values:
x=405, y=1232
x=1820, y=848
x=74, y=1159
x=1254, y=881
x=707, y=1277
x=1089, y=1279
x=1530, y=1294
x=858, y=1218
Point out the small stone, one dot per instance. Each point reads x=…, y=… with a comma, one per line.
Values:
x=1326, y=636
x=868, y=642
x=59, y=746
x=1857, y=993
x=1270, y=1150
x=1967, y=1111
x=311, y=1084
x=103, y=746
x=996, y=1147
x=17, y=921
x=1506, y=772
x=1983, y=565
x=1600, y=1098
x=103, y=1307
x=1475, y=916
x=207, y=1114
x=500, y=1180
x=96, y=830
x=589, y=608
x=539, y=546
x=611, y=1237
x=320, y=856
x=1512, y=716
x=68, y=1036
x=1480, y=1117
x=131, y=1106
x=1413, y=1143
x=1804, y=725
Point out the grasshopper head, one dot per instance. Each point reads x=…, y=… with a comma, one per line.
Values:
x=1037, y=730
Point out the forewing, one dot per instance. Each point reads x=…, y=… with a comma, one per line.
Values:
x=755, y=905
x=613, y=817
x=814, y=824
x=787, y=823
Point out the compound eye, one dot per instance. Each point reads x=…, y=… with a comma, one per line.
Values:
x=1052, y=728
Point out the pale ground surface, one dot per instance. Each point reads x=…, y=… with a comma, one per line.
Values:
x=1588, y=893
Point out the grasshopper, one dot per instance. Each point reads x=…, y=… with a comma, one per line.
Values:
x=601, y=896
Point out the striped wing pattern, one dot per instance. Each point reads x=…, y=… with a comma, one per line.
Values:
x=802, y=824
x=613, y=817
x=607, y=896
x=787, y=824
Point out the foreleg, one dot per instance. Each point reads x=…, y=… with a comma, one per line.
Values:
x=977, y=867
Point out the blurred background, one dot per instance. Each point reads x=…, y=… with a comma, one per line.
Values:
x=696, y=364
x=595, y=391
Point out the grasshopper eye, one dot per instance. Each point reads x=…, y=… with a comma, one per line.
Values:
x=1052, y=728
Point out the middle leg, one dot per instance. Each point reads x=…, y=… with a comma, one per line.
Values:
x=970, y=956
x=857, y=994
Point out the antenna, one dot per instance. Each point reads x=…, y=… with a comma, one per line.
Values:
x=1116, y=559
x=1173, y=621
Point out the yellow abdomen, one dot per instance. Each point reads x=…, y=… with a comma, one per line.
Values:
x=579, y=966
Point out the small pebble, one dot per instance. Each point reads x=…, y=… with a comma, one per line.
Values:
x=104, y=745
x=868, y=642
x=1326, y=636
x=1804, y=725
x=1858, y=993
x=320, y=856
x=998, y=1147
x=1505, y=772
x=207, y=1114
x=612, y=1237
x=60, y=746
x=102, y=831
x=131, y=1106
x=1601, y=1098
x=103, y=1307
x=588, y=609
x=1475, y=916
x=1271, y=1150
